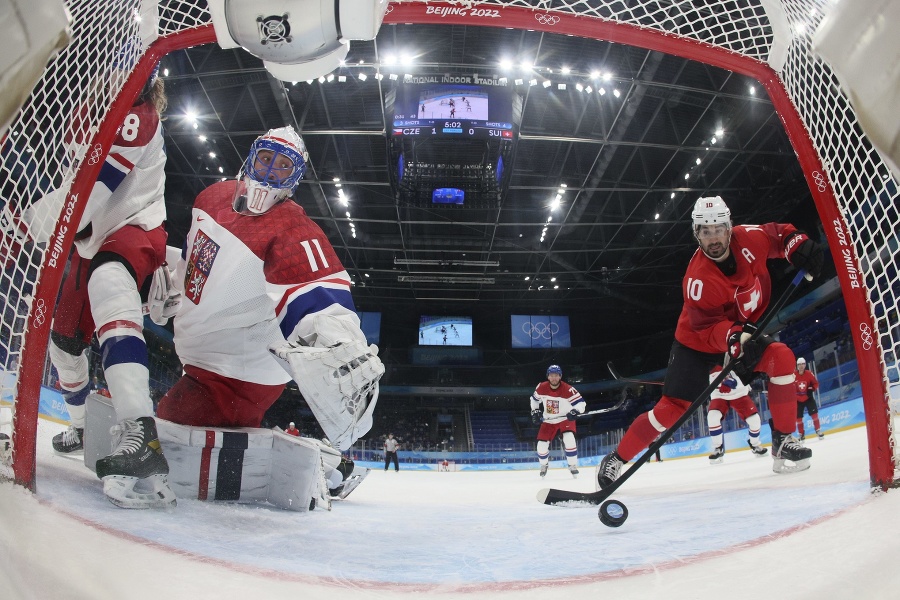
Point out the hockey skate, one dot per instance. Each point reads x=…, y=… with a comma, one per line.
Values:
x=717, y=455
x=544, y=470
x=757, y=451
x=135, y=474
x=69, y=441
x=574, y=471
x=786, y=448
x=821, y=435
x=609, y=469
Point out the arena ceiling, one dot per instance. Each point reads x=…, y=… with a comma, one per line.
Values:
x=630, y=163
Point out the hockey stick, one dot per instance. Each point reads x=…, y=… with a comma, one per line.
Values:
x=600, y=411
x=554, y=496
x=618, y=377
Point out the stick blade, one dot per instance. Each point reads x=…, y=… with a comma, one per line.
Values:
x=552, y=496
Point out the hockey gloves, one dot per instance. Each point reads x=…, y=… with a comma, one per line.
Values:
x=804, y=253
x=536, y=416
x=164, y=299
x=744, y=351
x=572, y=415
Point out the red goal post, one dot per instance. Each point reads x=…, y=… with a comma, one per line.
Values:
x=854, y=191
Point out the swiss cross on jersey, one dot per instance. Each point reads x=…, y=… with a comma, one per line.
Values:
x=801, y=387
x=200, y=262
x=748, y=300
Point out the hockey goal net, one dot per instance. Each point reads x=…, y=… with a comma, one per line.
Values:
x=770, y=40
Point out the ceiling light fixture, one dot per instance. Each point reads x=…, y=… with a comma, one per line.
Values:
x=444, y=262
x=444, y=279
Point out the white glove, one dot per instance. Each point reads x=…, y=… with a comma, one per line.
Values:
x=164, y=300
x=340, y=385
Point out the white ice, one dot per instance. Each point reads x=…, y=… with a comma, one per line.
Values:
x=735, y=530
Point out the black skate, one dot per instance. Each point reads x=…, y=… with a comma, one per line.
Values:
x=821, y=435
x=69, y=441
x=5, y=449
x=544, y=470
x=574, y=471
x=786, y=448
x=758, y=451
x=609, y=469
x=134, y=475
x=717, y=455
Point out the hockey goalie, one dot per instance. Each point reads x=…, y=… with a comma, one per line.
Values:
x=260, y=298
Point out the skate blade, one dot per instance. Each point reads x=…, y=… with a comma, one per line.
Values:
x=716, y=461
x=760, y=454
x=120, y=490
x=781, y=466
x=78, y=454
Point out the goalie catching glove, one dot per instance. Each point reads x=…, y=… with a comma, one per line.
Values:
x=164, y=299
x=340, y=384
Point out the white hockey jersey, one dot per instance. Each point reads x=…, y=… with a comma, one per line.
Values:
x=252, y=281
x=557, y=402
x=129, y=189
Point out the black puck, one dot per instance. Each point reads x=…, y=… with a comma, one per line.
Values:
x=613, y=513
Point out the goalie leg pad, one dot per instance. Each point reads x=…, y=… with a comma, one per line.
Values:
x=340, y=385
x=243, y=465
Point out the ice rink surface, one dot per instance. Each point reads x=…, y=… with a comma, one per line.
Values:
x=734, y=530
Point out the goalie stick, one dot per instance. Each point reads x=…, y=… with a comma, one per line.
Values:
x=618, y=377
x=554, y=496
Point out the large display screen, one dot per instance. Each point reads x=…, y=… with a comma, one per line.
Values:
x=445, y=331
x=540, y=331
x=442, y=109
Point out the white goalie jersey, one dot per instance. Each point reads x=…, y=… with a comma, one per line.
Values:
x=250, y=282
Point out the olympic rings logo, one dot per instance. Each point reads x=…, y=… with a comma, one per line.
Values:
x=96, y=153
x=819, y=180
x=40, y=313
x=546, y=19
x=865, y=336
x=540, y=330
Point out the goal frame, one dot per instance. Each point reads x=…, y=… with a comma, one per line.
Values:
x=866, y=339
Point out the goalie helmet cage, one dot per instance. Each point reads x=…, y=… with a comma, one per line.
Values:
x=769, y=40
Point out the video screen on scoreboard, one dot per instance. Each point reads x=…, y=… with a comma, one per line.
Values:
x=370, y=323
x=445, y=331
x=442, y=109
x=540, y=331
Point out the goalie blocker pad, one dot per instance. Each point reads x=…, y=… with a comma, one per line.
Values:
x=340, y=385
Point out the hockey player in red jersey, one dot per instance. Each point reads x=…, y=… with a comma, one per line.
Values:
x=555, y=405
x=806, y=384
x=732, y=393
x=726, y=288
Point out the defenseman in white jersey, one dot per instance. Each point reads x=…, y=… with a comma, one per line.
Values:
x=120, y=242
x=732, y=393
x=555, y=405
x=261, y=283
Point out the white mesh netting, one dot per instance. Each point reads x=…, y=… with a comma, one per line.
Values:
x=856, y=194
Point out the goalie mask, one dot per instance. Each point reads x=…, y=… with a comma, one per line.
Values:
x=276, y=164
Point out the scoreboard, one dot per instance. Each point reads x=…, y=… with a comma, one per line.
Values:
x=459, y=128
x=454, y=110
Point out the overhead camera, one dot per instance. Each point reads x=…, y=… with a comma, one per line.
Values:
x=297, y=40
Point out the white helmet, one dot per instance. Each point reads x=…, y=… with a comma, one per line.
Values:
x=801, y=361
x=711, y=210
x=292, y=425
x=260, y=186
